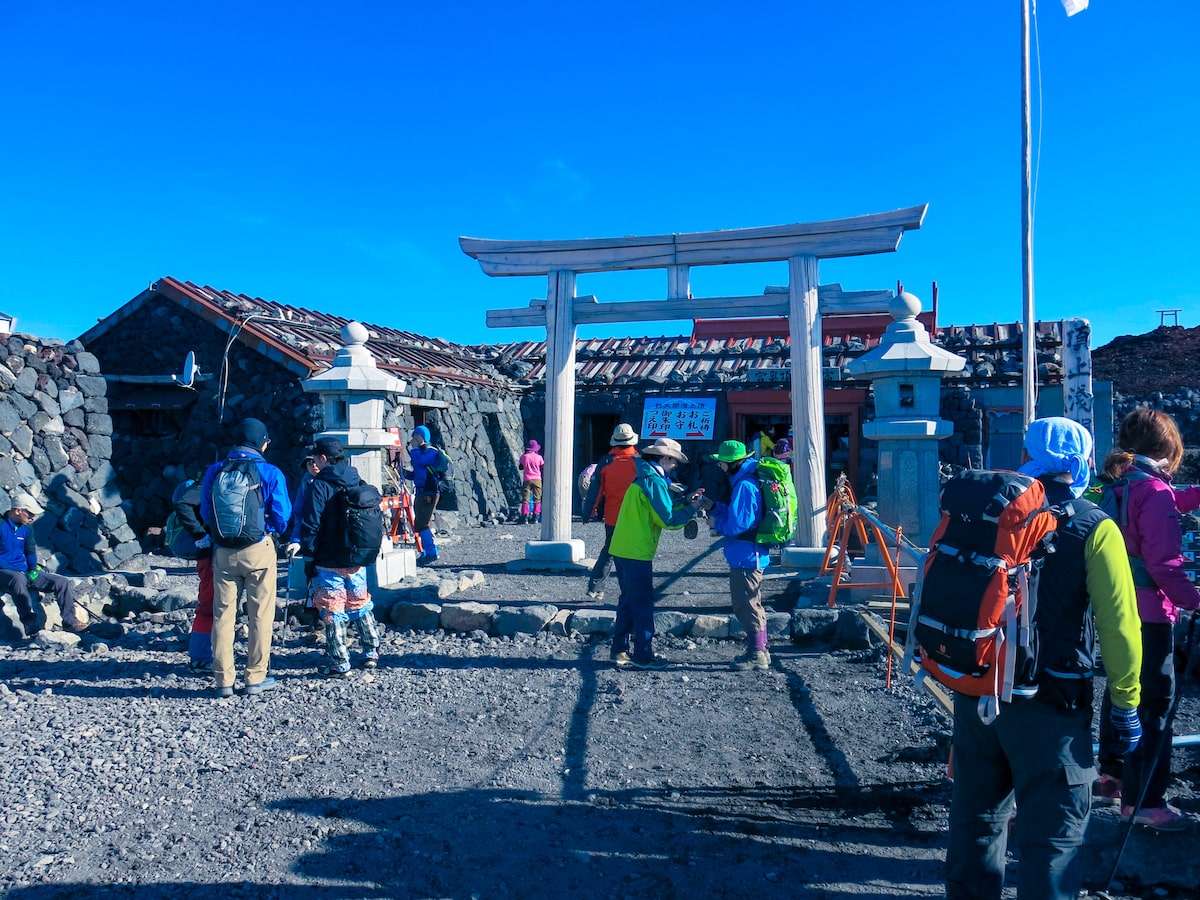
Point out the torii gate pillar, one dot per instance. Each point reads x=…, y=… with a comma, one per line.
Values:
x=556, y=545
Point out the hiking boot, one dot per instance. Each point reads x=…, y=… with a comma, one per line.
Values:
x=75, y=627
x=267, y=684
x=620, y=659
x=371, y=659
x=752, y=659
x=427, y=559
x=225, y=692
x=1160, y=818
x=200, y=666
x=596, y=595
x=1107, y=790
x=655, y=662
x=335, y=670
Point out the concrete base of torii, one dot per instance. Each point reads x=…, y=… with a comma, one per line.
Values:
x=552, y=556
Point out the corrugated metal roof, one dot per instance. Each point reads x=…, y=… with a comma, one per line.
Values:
x=993, y=355
x=308, y=339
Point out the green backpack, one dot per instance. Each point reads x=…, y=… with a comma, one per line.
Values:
x=778, y=524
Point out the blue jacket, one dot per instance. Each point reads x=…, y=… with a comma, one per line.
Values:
x=738, y=519
x=424, y=459
x=277, y=506
x=18, y=552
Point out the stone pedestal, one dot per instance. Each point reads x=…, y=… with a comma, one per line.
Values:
x=566, y=556
x=353, y=392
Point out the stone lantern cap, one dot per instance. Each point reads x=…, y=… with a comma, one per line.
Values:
x=354, y=368
x=905, y=346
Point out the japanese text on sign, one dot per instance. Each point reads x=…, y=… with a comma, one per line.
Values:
x=679, y=418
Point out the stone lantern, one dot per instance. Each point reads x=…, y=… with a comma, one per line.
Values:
x=906, y=371
x=353, y=394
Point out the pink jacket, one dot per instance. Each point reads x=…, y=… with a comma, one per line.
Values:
x=1152, y=533
x=531, y=466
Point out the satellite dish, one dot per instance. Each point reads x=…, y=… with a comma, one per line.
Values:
x=190, y=371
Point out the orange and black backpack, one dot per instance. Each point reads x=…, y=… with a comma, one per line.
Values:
x=972, y=621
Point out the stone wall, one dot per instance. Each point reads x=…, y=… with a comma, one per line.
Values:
x=153, y=452
x=56, y=444
x=480, y=430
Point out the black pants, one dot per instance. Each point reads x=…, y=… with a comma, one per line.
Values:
x=1158, y=692
x=600, y=569
x=18, y=586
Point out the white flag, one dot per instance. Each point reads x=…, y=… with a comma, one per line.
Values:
x=1074, y=6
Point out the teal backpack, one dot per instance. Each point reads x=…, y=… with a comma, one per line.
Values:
x=778, y=524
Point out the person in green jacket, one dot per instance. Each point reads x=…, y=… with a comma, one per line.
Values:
x=649, y=507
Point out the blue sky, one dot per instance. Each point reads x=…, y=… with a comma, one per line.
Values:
x=330, y=155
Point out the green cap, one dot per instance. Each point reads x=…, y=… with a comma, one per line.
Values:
x=731, y=451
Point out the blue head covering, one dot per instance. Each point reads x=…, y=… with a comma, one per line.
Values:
x=1056, y=445
x=422, y=432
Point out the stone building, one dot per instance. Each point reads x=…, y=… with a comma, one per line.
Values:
x=56, y=444
x=183, y=362
x=743, y=367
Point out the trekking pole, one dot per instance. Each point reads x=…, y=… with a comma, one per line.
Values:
x=287, y=606
x=1189, y=646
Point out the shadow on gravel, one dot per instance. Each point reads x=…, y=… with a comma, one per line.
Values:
x=105, y=677
x=708, y=842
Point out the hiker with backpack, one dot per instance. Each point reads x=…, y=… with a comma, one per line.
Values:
x=1022, y=671
x=613, y=474
x=1137, y=492
x=341, y=531
x=648, y=507
x=746, y=546
x=187, y=538
x=430, y=466
x=243, y=502
x=531, y=464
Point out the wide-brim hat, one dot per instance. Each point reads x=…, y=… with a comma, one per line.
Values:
x=730, y=452
x=24, y=500
x=666, y=447
x=623, y=436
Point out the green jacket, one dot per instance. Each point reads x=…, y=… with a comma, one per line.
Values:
x=647, y=509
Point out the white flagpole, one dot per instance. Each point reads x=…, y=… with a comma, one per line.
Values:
x=1028, y=346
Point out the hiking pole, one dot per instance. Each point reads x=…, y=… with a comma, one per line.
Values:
x=1189, y=646
x=287, y=606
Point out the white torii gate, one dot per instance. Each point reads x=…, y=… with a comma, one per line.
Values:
x=802, y=245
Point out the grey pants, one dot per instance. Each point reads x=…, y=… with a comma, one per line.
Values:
x=1039, y=758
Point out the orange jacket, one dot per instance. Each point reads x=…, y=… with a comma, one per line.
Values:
x=614, y=473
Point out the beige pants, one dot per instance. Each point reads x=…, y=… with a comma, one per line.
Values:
x=745, y=590
x=253, y=569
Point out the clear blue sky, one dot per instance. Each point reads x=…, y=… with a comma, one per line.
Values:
x=330, y=155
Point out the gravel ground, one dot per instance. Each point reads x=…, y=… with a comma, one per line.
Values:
x=476, y=767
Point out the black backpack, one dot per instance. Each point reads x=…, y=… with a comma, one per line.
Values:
x=359, y=532
x=237, y=505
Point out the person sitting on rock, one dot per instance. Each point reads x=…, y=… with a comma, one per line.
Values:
x=21, y=573
x=339, y=591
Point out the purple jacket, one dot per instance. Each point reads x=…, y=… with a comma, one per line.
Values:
x=1153, y=534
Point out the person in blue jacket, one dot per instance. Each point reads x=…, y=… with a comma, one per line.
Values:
x=252, y=568
x=21, y=573
x=737, y=521
x=428, y=463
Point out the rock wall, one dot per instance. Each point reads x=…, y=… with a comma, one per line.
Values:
x=56, y=443
x=1183, y=405
x=153, y=451
x=480, y=430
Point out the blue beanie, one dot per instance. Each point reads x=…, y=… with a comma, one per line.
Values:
x=422, y=432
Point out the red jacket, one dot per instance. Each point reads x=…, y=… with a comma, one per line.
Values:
x=614, y=473
x=1152, y=533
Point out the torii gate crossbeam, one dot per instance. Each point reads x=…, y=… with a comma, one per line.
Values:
x=801, y=245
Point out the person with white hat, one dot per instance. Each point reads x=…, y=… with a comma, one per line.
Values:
x=648, y=507
x=614, y=473
x=21, y=573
